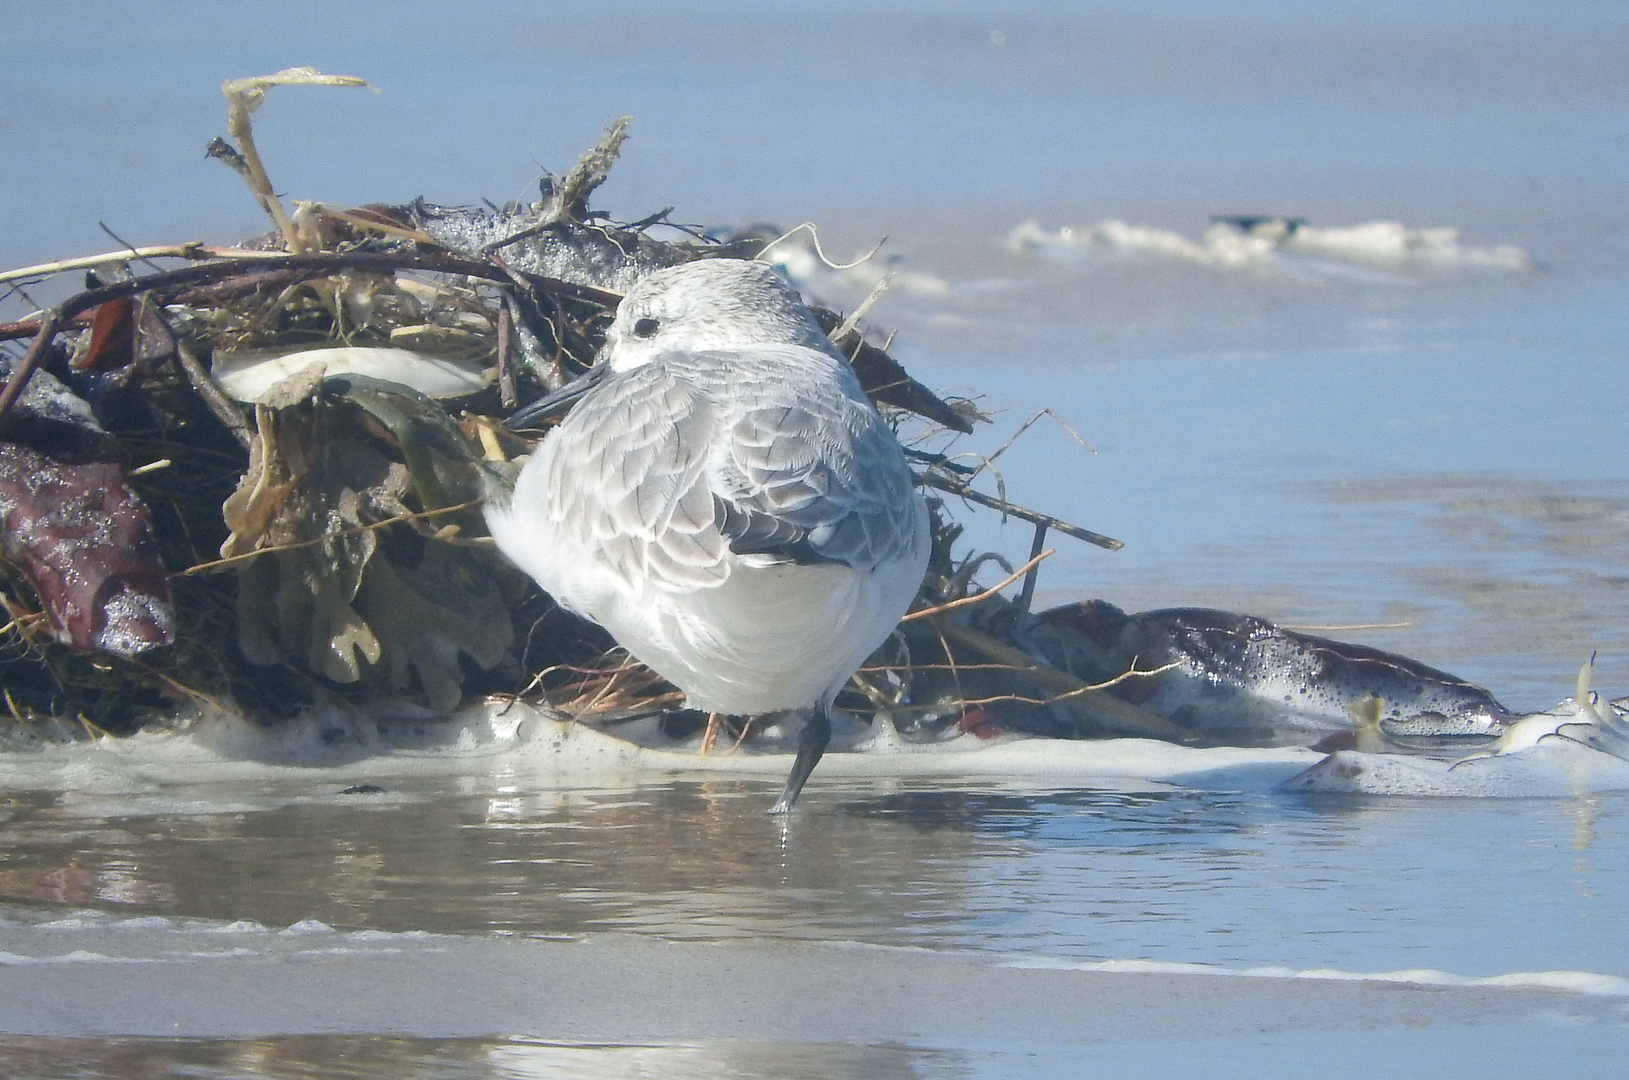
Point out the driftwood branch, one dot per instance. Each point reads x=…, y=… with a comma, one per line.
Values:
x=243, y=97
x=209, y=391
x=955, y=486
x=31, y=359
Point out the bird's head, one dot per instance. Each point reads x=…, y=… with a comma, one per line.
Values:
x=708, y=304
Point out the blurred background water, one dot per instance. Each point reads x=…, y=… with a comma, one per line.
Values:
x=1435, y=446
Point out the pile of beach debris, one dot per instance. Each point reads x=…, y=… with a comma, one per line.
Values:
x=251, y=475
x=250, y=478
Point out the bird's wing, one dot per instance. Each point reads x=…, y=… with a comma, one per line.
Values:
x=808, y=471
x=628, y=479
x=770, y=451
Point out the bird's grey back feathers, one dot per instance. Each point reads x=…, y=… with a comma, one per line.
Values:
x=767, y=450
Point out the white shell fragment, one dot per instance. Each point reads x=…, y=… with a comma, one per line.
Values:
x=250, y=375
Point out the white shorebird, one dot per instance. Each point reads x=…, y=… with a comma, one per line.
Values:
x=723, y=499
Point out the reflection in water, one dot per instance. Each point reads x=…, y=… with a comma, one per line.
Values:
x=1228, y=878
x=363, y=1057
x=373, y=1057
x=726, y=1061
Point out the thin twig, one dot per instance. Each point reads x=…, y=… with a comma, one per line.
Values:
x=950, y=658
x=194, y=250
x=1027, y=594
x=215, y=564
x=982, y=596
x=852, y=323
x=209, y=391
x=361, y=220
x=179, y=687
x=27, y=328
x=24, y=624
x=31, y=359
x=989, y=460
x=1108, y=709
x=1131, y=673
x=814, y=235
x=243, y=97
x=131, y=248
x=508, y=396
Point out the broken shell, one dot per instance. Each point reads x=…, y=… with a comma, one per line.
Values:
x=248, y=375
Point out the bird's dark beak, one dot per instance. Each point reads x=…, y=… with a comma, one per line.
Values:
x=559, y=402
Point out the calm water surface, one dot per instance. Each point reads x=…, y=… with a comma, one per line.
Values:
x=1235, y=879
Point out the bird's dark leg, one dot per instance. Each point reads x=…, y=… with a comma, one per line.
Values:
x=811, y=744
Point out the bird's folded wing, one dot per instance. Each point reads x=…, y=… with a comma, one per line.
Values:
x=818, y=477
x=630, y=480
x=687, y=459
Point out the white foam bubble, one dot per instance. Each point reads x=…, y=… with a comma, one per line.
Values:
x=153, y=940
x=240, y=926
x=89, y=920
x=78, y=956
x=1553, y=768
x=309, y=926
x=217, y=763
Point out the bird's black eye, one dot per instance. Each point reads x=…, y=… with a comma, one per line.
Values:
x=645, y=328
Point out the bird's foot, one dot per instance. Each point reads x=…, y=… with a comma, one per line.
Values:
x=811, y=745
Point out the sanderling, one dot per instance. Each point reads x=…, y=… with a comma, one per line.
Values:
x=723, y=499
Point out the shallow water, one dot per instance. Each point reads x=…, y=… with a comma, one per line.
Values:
x=107, y=915
x=1435, y=448
x=1233, y=879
